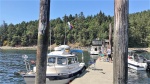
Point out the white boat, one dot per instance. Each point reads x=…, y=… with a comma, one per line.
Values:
x=95, y=49
x=137, y=61
x=62, y=66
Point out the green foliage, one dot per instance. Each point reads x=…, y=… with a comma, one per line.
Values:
x=24, y=41
x=139, y=29
x=85, y=29
x=5, y=43
x=3, y=32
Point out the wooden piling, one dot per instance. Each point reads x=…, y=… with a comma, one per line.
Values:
x=110, y=36
x=120, y=63
x=42, y=44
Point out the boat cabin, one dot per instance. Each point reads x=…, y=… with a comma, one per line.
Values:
x=61, y=60
x=96, y=45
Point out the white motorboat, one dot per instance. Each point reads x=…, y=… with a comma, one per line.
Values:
x=62, y=66
x=137, y=61
x=95, y=49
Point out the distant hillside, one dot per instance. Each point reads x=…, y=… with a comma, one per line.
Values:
x=139, y=29
x=84, y=30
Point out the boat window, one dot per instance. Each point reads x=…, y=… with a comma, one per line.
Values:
x=129, y=53
x=67, y=50
x=61, y=61
x=71, y=60
x=51, y=60
x=76, y=59
x=136, y=57
x=141, y=59
x=95, y=49
x=132, y=53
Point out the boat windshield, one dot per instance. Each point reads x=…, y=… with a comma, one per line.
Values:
x=143, y=53
x=72, y=60
x=61, y=60
x=139, y=58
x=51, y=60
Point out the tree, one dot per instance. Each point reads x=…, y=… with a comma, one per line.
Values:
x=95, y=26
x=3, y=33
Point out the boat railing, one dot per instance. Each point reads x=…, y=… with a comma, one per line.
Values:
x=27, y=64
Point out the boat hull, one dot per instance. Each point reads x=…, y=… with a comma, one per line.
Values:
x=94, y=56
x=136, y=65
x=58, y=79
x=29, y=80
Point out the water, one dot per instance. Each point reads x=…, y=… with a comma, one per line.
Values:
x=138, y=77
x=11, y=61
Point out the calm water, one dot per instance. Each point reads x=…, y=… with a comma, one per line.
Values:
x=11, y=61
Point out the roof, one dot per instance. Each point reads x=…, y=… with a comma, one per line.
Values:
x=65, y=46
x=64, y=50
x=60, y=53
x=97, y=42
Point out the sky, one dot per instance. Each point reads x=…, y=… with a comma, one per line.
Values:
x=16, y=11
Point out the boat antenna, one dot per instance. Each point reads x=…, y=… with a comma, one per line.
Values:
x=65, y=32
x=65, y=36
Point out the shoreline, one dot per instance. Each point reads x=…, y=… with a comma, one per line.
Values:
x=16, y=48
x=52, y=47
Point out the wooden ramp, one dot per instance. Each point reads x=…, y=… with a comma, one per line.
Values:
x=101, y=74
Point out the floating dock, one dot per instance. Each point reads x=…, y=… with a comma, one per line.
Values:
x=102, y=73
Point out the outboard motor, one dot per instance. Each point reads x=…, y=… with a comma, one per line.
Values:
x=148, y=65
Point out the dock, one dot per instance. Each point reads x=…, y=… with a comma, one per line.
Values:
x=102, y=73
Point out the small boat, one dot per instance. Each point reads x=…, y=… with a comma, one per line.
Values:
x=62, y=66
x=137, y=61
x=95, y=49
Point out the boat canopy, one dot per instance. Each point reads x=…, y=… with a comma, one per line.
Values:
x=77, y=51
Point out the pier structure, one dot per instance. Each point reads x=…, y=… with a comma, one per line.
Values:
x=103, y=74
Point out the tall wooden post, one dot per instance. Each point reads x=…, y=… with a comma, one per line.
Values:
x=110, y=36
x=42, y=44
x=120, y=62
